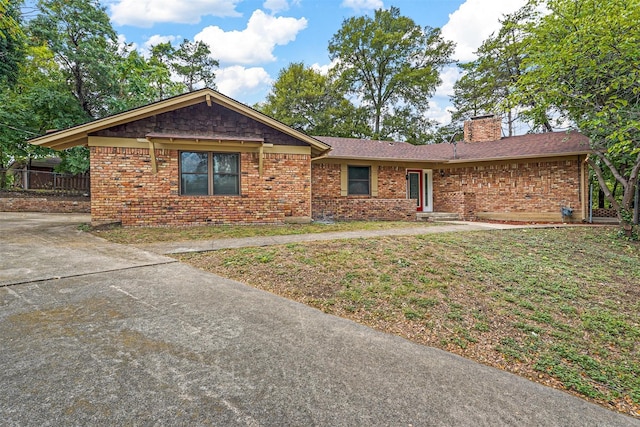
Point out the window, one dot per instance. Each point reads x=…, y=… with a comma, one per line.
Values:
x=204, y=173
x=359, y=180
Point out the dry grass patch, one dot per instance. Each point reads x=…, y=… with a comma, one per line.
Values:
x=138, y=235
x=557, y=306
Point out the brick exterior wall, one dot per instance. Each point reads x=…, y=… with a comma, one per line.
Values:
x=325, y=181
x=523, y=188
x=391, y=203
x=364, y=209
x=43, y=204
x=534, y=187
x=483, y=129
x=460, y=202
x=124, y=189
x=392, y=184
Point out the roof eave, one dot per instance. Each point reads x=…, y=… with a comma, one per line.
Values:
x=522, y=157
x=386, y=159
x=465, y=160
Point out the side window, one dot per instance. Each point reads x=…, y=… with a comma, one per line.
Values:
x=194, y=173
x=204, y=173
x=226, y=173
x=359, y=180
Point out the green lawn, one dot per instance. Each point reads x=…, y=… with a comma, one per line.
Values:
x=558, y=306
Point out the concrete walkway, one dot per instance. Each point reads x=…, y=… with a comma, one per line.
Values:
x=95, y=333
x=217, y=244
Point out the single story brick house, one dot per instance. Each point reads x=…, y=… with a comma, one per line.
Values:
x=202, y=157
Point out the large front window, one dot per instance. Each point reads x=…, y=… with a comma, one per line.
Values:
x=206, y=173
x=359, y=180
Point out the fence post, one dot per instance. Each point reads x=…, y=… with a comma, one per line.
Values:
x=25, y=179
x=636, y=208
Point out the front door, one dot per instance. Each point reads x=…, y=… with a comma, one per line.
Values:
x=415, y=190
x=419, y=189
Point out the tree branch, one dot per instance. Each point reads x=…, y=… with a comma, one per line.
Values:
x=603, y=185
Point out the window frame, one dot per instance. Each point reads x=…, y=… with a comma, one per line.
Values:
x=211, y=174
x=358, y=180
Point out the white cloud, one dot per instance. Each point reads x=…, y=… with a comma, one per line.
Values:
x=254, y=44
x=156, y=39
x=146, y=13
x=473, y=22
x=439, y=113
x=359, y=5
x=236, y=80
x=324, y=69
x=276, y=6
x=449, y=77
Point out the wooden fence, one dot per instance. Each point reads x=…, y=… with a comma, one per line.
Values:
x=52, y=181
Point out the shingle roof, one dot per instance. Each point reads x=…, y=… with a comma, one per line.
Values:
x=526, y=146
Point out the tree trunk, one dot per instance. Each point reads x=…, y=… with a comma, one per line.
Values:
x=624, y=210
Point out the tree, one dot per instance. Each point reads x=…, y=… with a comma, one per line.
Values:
x=488, y=82
x=311, y=102
x=160, y=63
x=142, y=81
x=583, y=61
x=80, y=35
x=193, y=63
x=390, y=63
x=11, y=41
x=40, y=100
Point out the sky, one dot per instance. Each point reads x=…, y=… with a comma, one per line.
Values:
x=254, y=39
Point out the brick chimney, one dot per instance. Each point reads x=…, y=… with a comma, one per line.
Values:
x=483, y=128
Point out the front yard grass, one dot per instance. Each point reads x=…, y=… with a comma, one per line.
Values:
x=140, y=235
x=557, y=306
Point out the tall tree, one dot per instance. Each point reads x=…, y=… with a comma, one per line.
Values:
x=488, y=81
x=311, y=102
x=142, y=81
x=390, y=63
x=192, y=61
x=583, y=61
x=11, y=41
x=160, y=62
x=80, y=35
x=40, y=100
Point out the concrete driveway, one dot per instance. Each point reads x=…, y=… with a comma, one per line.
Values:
x=94, y=333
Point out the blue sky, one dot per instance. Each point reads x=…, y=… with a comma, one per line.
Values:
x=255, y=39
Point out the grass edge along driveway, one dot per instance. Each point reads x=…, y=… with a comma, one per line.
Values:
x=557, y=306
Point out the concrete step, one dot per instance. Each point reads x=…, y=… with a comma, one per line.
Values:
x=437, y=216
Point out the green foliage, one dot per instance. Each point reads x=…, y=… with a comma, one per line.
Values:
x=11, y=41
x=583, y=62
x=488, y=82
x=193, y=63
x=311, y=102
x=392, y=65
x=142, y=81
x=84, y=43
x=74, y=160
x=39, y=100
